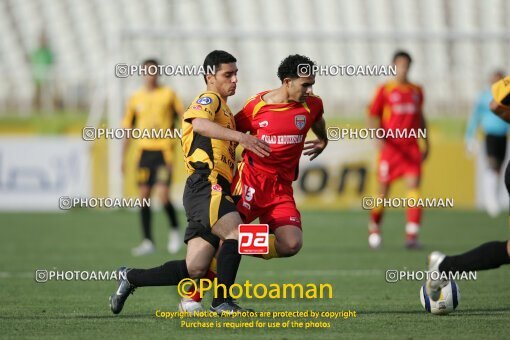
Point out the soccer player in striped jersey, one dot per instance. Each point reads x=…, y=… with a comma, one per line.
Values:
x=208, y=142
x=154, y=107
x=489, y=255
x=495, y=130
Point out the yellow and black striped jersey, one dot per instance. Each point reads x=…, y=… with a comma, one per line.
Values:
x=156, y=109
x=203, y=152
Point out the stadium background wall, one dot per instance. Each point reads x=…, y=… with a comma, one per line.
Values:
x=439, y=181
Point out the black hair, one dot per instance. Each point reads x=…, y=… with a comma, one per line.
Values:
x=499, y=72
x=150, y=62
x=402, y=54
x=292, y=67
x=214, y=59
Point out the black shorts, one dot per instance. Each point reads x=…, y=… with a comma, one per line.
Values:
x=495, y=147
x=152, y=168
x=205, y=203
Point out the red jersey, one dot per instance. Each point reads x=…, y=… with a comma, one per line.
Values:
x=284, y=127
x=399, y=106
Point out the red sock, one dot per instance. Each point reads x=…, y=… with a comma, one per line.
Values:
x=194, y=294
x=375, y=220
x=414, y=215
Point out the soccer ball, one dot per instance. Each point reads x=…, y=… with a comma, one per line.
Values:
x=190, y=306
x=448, y=300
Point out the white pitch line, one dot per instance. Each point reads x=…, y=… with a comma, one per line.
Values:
x=15, y=275
x=266, y=273
x=339, y=272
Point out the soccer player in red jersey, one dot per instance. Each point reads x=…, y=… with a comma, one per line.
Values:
x=397, y=105
x=282, y=118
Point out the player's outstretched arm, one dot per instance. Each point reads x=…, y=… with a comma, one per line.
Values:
x=374, y=123
x=426, y=150
x=315, y=147
x=125, y=147
x=210, y=129
x=128, y=122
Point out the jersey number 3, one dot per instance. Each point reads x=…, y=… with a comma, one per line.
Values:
x=248, y=193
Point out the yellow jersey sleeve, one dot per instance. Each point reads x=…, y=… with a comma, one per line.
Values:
x=501, y=92
x=178, y=107
x=205, y=106
x=130, y=114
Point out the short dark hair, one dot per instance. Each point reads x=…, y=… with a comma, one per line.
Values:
x=289, y=66
x=402, y=54
x=215, y=59
x=499, y=72
x=151, y=61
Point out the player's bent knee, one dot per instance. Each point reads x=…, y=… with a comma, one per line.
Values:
x=164, y=200
x=289, y=240
x=198, y=257
x=227, y=226
x=144, y=191
x=145, y=195
x=164, y=194
x=196, y=272
x=227, y=234
x=290, y=247
x=232, y=235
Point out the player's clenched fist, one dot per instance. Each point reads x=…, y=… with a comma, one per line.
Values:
x=257, y=146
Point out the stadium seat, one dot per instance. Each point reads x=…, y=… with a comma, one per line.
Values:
x=466, y=45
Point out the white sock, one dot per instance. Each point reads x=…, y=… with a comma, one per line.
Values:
x=491, y=193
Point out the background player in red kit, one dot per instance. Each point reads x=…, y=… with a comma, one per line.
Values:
x=398, y=105
x=282, y=118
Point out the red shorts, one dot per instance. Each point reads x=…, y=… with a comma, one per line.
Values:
x=264, y=196
x=397, y=161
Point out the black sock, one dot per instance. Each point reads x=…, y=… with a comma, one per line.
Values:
x=228, y=263
x=146, y=222
x=168, y=274
x=172, y=216
x=487, y=256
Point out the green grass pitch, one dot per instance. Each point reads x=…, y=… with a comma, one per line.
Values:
x=335, y=251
